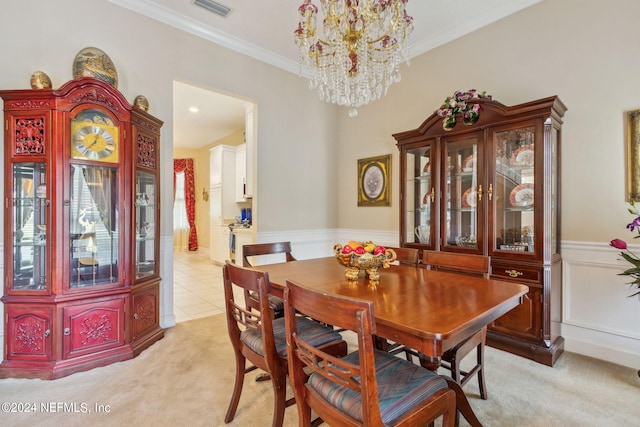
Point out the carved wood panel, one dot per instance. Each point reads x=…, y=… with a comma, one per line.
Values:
x=145, y=312
x=30, y=332
x=29, y=135
x=147, y=150
x=92, y=327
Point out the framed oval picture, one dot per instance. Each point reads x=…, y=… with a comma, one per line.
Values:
x=373, y=181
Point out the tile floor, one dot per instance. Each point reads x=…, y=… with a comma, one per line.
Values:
x=198, y=288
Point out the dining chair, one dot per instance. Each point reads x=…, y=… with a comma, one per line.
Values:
x=368, y=387
x=258, y=337
x=406, y=256
x=475, y=265
x=260, y=249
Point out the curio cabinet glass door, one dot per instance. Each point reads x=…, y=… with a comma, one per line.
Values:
x=462, y=193
x=29, y=220
x=419, y=203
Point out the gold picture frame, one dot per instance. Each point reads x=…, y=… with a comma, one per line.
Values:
x=633, y=156
x=374, y=176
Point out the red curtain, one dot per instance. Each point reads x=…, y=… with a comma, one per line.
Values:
x=186, y=166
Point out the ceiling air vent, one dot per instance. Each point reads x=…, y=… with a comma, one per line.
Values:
x=215, y=7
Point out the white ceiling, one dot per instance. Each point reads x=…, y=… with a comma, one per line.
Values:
x=263, y=29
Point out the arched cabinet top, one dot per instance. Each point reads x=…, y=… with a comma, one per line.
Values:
x=492, y=113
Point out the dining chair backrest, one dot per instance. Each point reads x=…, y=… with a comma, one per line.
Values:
x=471, y=264
x=353, y=391
x=258, y=337
x=264, y=249
x=406, y=256
x=259, y=249
x=253, y=318
x=259, y=316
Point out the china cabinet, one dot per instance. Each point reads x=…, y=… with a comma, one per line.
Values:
x=81, y=212
x=491, y=187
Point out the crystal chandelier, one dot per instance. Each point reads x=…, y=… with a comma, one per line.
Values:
x=359, y=55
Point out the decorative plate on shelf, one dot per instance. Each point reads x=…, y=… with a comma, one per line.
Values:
x=469, y=163
x=523, y=156
x=469, y=198
x=522, y=195
x=92, y=62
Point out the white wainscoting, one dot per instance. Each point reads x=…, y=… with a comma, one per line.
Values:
x=306, y=244
x=598, y=317
x=167, y=315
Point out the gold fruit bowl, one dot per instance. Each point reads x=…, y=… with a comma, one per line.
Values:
x=368, y=262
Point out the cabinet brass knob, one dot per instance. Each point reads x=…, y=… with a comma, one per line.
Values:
x=479, y=193
x=433, y=195
x=490, y=192
x=513, y=273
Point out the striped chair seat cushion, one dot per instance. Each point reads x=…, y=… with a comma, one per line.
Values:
x=311, y=331
x=276, y=303
x=401, y=386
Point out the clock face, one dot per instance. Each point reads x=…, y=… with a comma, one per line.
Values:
x=94, y=137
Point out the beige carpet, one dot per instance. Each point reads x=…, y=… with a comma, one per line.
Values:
x=187, y=378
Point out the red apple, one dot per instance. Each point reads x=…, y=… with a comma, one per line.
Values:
x=379, y=250
x=346, y=249
x=360, y=250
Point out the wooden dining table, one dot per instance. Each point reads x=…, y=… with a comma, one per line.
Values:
x=426, y=310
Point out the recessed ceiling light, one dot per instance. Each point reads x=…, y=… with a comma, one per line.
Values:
x=194, y=109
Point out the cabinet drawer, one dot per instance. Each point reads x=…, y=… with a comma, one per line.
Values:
x=515, y=272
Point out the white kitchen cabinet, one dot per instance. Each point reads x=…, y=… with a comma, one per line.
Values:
x=222, y=176
x=219, y=243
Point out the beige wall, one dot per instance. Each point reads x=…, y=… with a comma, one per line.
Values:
x=201, y=171
x=584, y=52
x=149, y=55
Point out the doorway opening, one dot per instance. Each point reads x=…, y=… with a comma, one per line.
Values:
x=203, y=118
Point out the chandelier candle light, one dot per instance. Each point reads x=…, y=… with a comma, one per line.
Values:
x=359, y=55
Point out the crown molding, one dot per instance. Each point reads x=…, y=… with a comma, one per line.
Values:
x=166, y=16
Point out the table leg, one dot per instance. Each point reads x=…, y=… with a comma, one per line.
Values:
x=462, y=404
x=429, y=362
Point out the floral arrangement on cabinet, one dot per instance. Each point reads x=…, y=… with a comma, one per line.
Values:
x=633, y=259
x=461, y=103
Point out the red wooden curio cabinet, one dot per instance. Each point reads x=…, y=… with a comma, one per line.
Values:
x=81, y=229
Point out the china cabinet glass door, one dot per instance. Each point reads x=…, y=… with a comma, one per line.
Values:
x=145, y=221
x=29, y=218
x=420, y=201
x=513, y=190
x=93, y=226
x=462, y=193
